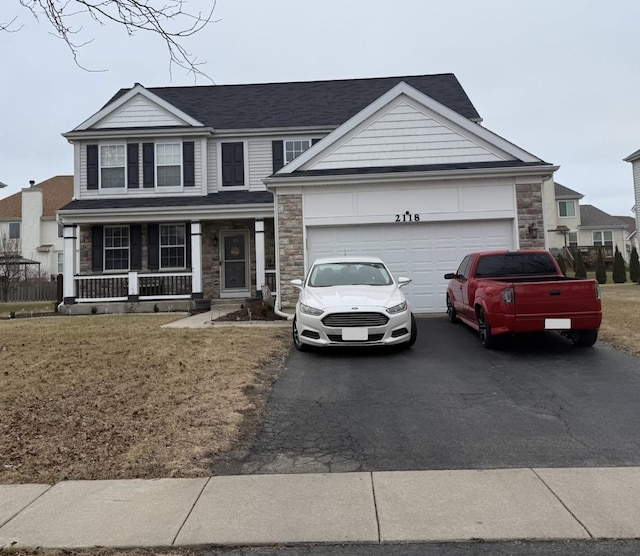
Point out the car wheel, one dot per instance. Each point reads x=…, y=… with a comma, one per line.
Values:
x=583, y=338
x=451, y=311
x=296, y=337
x=414, y=333
x=484, y=328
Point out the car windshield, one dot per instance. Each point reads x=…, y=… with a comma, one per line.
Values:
x=349, y=274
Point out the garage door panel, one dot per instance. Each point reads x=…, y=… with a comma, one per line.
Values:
x=422, y=251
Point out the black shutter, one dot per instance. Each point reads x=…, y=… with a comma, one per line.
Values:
x=92, y=166
x=97, y=242
x=188, y=164
x=148, y=165
x=153, y=246
x=232, y=164
x=135, y=231
x=277, y=149
x=187, y=228
x=314, y=141
x=133, y=173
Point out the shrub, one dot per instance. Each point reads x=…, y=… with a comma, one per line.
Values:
x=634, y=266
x=580, y=270
x=619, y=270
x=601, y=270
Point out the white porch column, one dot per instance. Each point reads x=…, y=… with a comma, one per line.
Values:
x=196, y=260
x=69, y=257
x=260, y=257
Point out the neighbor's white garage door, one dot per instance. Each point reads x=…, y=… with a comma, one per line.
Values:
x=422, y=251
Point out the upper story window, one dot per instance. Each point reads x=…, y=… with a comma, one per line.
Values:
x=112, y=166
x=116, y=247
x=293, y=149
x=567, y=209
x=14, y=230
x=155, y=165
x=169, y=164
x=173, y=246
x=573, y=239
x=233, y=164
x=603, y=238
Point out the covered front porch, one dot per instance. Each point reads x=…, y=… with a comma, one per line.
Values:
x=184, y=263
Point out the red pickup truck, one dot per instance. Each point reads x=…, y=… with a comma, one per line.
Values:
x=506, y=292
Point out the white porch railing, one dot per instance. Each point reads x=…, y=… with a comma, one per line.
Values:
x=122, y=287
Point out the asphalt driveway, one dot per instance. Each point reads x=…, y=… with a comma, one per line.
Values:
x=449, y=403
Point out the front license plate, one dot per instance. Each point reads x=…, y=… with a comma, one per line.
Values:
x=557, y=324
x=355, y=334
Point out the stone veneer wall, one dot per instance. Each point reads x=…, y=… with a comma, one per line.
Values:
x=291, y=247
x=530, y=211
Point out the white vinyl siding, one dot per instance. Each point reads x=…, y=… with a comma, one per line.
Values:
x=212, y=166
x=403, y=136
x=260, y=163
x=139, y=112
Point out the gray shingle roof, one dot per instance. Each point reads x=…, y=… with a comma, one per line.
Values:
x=563, y=192
x=302, y=104
x=213, y=199
x=592, y=217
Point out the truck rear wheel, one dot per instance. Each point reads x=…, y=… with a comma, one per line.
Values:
x=583, y=338
x=484, y=328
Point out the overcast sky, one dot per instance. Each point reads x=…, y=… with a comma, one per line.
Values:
x=559, y=78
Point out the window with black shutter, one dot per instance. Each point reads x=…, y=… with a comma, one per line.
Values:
x=277, y=150
x=148, y=165
x=92, y=166
x=188, y=164
x=232, y=164
x=133, y=174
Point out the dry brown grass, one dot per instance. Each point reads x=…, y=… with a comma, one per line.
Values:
x=621, y=317
x=106, y=397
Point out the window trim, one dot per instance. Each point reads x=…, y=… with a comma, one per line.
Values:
x=100, y=167
x=293, y=140
x=106, y=249
x=603, y=242
x=565, y=202
x=19, y=225
x=161, y=246
x=157, y=165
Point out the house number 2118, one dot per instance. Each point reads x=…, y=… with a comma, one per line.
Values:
x=408, y=217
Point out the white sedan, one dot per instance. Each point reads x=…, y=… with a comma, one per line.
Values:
x=352, y=301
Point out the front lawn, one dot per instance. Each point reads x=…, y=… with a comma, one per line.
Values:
x=105, y=397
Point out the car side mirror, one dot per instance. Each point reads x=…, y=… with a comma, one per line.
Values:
x=297, y=283
x=403, y=281
x=450, y=276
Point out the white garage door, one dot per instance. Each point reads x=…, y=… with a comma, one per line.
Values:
x=422, y=251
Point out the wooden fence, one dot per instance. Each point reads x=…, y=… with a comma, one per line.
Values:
x=35, y=291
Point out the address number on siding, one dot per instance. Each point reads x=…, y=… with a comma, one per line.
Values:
x=408, y=217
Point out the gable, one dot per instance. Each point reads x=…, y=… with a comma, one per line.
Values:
x=406, y=128
x=405, y=134
x=139, y=112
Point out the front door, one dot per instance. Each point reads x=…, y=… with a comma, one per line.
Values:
x=234, y=260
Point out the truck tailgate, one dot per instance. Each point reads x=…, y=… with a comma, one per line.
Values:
x=556, y=298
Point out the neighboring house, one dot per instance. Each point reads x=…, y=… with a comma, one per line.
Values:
x=631, y=239
x=634, y=159
x=212, y=192
x=585, y=227
x=29, y=219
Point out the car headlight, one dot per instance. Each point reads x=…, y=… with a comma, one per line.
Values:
x=310, y=310
x=397, y=308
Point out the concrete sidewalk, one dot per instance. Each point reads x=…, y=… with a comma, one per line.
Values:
x=379, y=507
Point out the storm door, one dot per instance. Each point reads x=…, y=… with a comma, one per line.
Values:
x=235, y=264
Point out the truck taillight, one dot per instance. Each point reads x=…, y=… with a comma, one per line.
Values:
x=597, y=290
x=507, y=295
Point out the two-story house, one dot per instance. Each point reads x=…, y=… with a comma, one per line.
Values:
x=572, y=226
x=214, y=191
x=28, y=220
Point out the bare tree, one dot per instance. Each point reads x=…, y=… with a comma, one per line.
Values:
x=171, y=20
x=11, y=272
